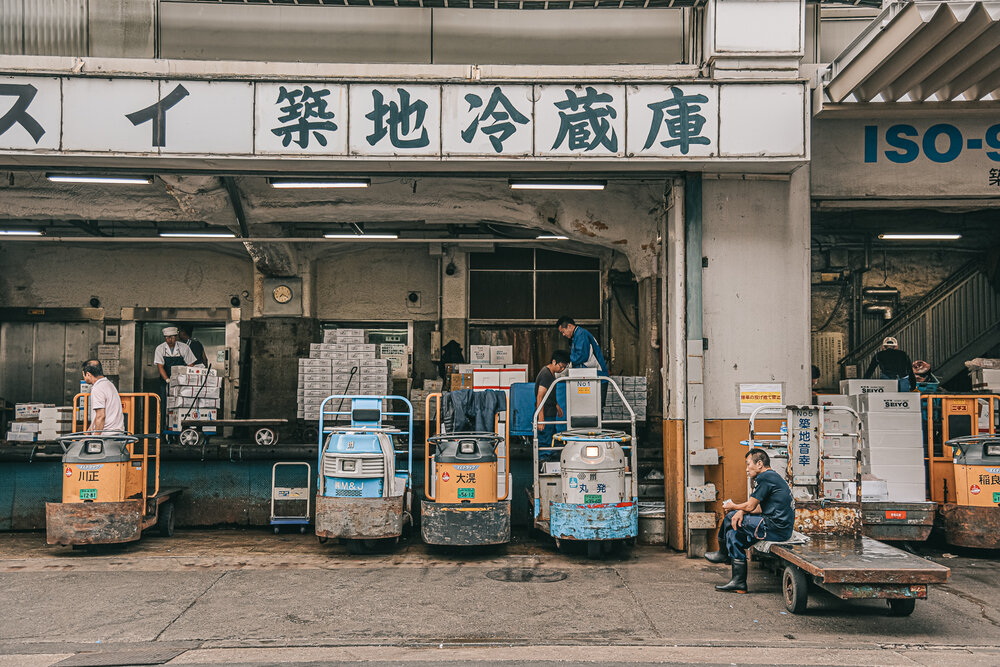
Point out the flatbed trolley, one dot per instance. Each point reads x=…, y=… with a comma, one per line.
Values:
x=831, y=552
x=192, y=433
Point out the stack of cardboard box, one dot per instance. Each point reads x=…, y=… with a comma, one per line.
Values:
x=54, y=422
x=26, y=424
x=194, y=393
x=635, y=388
x=892, y=453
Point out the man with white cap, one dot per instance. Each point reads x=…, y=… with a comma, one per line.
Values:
x=171, y=352
x=893, y=364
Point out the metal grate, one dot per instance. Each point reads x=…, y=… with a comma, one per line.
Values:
x=353, y=493
x=154, y=655
x=512, y=4
x=368, y=466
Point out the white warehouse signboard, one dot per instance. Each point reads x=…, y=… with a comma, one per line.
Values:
x=449, y=121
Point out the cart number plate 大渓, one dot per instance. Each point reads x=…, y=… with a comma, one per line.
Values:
x=592, y=498
x=88, y=494
x=466, y=493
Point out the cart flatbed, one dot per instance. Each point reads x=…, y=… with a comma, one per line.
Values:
x=852, y=568
x=265, y=431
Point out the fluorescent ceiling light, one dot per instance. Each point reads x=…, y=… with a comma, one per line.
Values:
x=117, y=180
x=551, y=237
x=557, y=185
x=198, y=235
x=319, y=183
x=20, y=232
x=360, y=236
x=920, y=237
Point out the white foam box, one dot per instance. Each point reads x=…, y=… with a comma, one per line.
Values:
x=334, y=355
x=192, y=370
x=511, y=374
x=315, y=348
x=889, y=402
x=485, y=378
x=333, y=347
x=840, y=491
x=904, y=471
x=184, y=402
x=479, y=354
x=840, y=446
x=342, y=378
x=990, y=376
x=15, y=436
x=316, y=384
x=375, y=363
x=314, y=363
x=351, y=332
x=904, y=439
x=855, y=387
x=330, y=336
x=363, y=347
x=60, y=412
x=501, y=354
x=463, y=369
x=873, y=422
x=874, y=490
x=836, y=421
x=839, y=469
x=185, y=379
x=25, y=427
x=359, y=355
x=903, y=492
x=191, y=391
x=50, y=435
x=29, y=410
x=840, y=400
x=316, y=377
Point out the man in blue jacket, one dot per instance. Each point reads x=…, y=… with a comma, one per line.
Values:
x=584, y=352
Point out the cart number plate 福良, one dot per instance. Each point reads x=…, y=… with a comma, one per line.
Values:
x=466, y=493
x=88, y=494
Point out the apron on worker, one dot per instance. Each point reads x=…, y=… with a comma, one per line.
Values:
x=168, y=363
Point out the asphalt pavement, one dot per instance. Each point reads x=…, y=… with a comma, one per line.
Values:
x=250, y=597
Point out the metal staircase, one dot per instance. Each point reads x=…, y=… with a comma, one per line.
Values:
x=956, y=321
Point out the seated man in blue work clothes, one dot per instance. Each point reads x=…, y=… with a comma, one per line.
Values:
x=767, y=515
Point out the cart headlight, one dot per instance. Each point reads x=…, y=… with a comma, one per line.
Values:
x=95, y=447
x=992, y=450
x=348, y=465
x=467, y=447
x=591, y=451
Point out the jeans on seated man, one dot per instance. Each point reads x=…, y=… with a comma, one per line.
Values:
x=767, y=515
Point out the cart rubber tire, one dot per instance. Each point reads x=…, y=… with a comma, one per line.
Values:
x=356, y=547
x=595, y=550
x=322, y=539
x=165, y=522
x=265, y=436
x=276, y=530
x=795, y=589
x=302, y=530
x=310, y=434
x=902, y=606
x=191, y=437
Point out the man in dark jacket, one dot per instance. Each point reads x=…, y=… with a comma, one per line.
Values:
x=893, y=364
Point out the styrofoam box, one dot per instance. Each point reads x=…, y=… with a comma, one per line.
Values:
x=840, y=446
x=351, y=340
x=837, y=469
x=840, y=491
x=501, y=354
x=901, y=492
x=362, y=347
x=185, y=379
x=313, y=362
x=483, y=378
x=835, y=421
x=986, y=376
x=896, y=472
x=333, y=347
x=358, y=355
x=351, y=332
x=479, y=354
x=889, y=402
x=314, y=392
x=316, y=384
x=25, y=427
x=193, y=370
x=887, y=421
x=887, y=439
x=854, y=387
x=375, y=363
x=191, y=391
x=874, y=490
x=840, y=400
x=58, y=412
x=342, y=378
x=315, y=377
x=16, y=436
x=334, y=356
x=345, y=366
x=900, y=461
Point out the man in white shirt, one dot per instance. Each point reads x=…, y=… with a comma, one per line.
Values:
x=171, y=352
x=106, y=415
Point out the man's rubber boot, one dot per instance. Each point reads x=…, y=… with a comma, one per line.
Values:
x=738, y=584
x=718, y=557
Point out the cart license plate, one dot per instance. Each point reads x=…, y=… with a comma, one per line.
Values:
x=895, y=514
x=996, y=497
x=466, y=493
x=592, y=498
x=88, y=494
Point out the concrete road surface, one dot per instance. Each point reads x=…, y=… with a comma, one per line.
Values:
x=249, y=597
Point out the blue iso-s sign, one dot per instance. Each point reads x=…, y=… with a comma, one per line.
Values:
x=903, y=143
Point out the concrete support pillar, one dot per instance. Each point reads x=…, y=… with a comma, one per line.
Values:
x=771, y=50
x=454, y=299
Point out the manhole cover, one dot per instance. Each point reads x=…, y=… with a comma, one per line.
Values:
x=523, y=575
x=154, y=655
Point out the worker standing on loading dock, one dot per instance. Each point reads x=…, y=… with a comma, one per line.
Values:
x=106, y=413
x=766, y=515
x=171, y=352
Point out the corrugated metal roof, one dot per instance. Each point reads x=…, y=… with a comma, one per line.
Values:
x=922, y=51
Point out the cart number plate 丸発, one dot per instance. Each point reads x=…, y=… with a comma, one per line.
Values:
x=88, y=494
x=466, y=493
x=592, y=498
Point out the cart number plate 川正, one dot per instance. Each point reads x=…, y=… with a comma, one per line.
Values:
x=88, y=494
x=466, y=493
x=592, y=498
